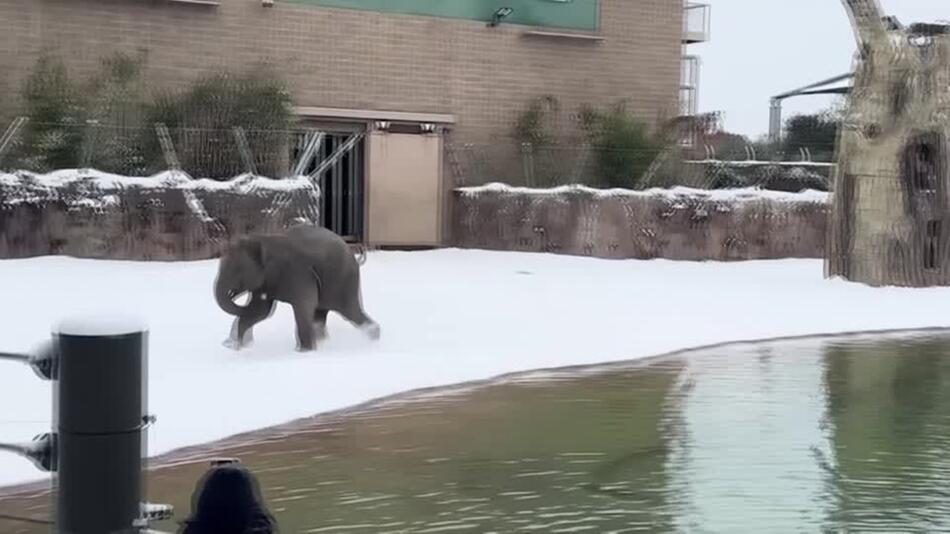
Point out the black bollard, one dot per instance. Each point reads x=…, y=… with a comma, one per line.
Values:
x=99, y=418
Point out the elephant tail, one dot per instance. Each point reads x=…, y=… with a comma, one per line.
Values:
x=360, y=254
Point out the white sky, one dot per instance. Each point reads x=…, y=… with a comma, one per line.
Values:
x=760, y=48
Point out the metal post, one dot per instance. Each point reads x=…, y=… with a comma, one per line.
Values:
x=775, y=120
x=168, y=148
x=97, y=447
x=314, y=145
x=336, y=155
x=10, y=134
x=245, y=150
x=775, y=103
x=527, y=163
x=90, y=140
x=99, y=419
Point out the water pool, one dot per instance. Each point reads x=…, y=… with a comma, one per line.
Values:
x=817, y=435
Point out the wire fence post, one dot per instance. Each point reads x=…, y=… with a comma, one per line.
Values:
x=98, y=415
x=527, y=162
x=341, y=151
x=247, y=157
x=99, y=420
x=168, y=147
x=313, y=147
x=97, y=445
x=90, y=139
x=6, y=140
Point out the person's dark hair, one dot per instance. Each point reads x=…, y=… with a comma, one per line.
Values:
x=227, y=500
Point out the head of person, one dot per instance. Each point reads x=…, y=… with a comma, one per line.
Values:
x=227, y=500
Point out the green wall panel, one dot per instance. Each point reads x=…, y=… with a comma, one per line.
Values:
x=573, y=14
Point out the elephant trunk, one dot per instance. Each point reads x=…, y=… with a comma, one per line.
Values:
x=225, y=297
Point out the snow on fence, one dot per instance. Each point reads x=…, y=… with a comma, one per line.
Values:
x=678, y=223
x=169, y=216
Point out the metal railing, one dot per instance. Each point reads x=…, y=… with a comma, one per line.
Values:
x=696, y=23
x=689, y=85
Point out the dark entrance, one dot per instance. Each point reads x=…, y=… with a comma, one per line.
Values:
x=342, y=184
x=922, y=170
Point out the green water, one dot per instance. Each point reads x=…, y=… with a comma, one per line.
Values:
x=804, y=436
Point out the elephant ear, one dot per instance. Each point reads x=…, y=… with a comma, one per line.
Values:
x=251, y=250
x=253, y=247
x=276, y=258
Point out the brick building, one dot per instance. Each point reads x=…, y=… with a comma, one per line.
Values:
x=405, y=73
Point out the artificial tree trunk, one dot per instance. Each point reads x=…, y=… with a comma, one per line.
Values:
x=889, y=222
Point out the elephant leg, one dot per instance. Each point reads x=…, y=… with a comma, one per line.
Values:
x=320, y=324
x=260, y=308
x=257, y=310
x=306, y=338
x=355, y=314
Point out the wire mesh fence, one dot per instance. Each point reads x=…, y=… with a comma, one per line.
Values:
x=217, y=153
x=222, y=153
x=607, y=167
x=100, y=190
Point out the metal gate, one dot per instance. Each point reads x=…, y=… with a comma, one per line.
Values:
x=338, y=165
x=925, y=182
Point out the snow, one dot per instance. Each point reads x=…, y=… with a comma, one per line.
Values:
x=447, y=316
x=90, y=189
x=762, y=163
x=745, y=194
x=101, y=324
x=167, y=179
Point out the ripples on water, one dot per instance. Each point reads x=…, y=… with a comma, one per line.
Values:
x=799, y=436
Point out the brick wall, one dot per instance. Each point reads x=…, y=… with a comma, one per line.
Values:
x=359, y=59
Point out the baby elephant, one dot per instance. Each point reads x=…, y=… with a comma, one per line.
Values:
x=308, y=267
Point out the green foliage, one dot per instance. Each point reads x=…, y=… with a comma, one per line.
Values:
x=623, y=145
x=111, y=116
x=729, y=146
x=7, y=102
x=203, y=116
x=117, y=90
x=531, y=125
x=65, y=116
x=55, y=106
x=117, y=105
x=817, y=132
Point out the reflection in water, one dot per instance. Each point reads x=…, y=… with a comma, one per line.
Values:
x=753, y=432
x=803, y=436
x=889, y=409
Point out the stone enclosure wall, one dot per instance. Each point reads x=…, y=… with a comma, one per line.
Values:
x=676, y=224
x=164, y=217
x=172, y=217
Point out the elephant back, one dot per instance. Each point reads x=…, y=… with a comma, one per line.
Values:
x=331, y=258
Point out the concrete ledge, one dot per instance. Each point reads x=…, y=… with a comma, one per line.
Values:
x=584, y=37
x=373, y=115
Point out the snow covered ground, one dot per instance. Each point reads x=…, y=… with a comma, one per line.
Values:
x=447, y=316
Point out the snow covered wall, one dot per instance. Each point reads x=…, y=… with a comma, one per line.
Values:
x=677, y=224
x=169, y=216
